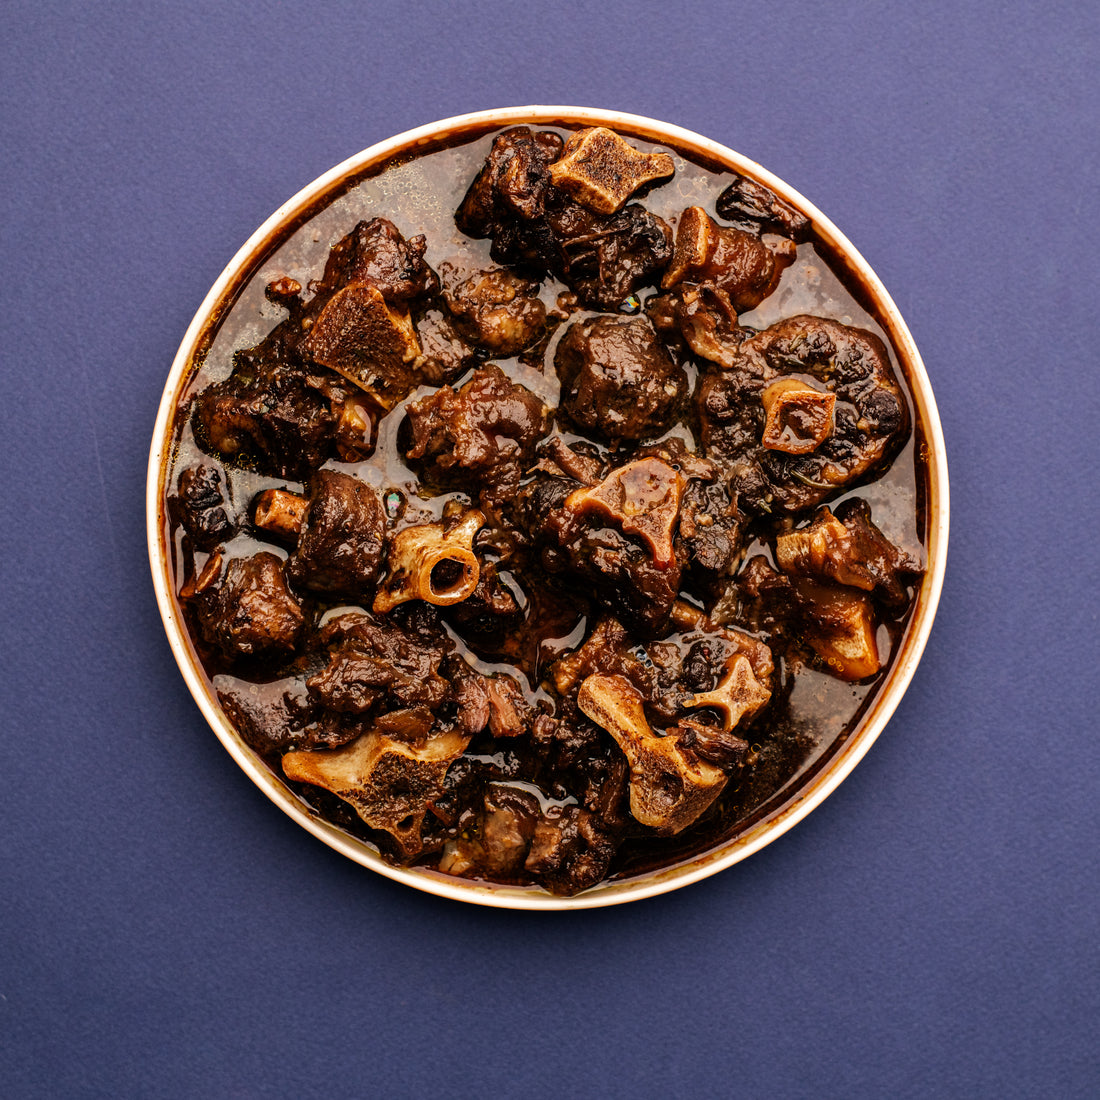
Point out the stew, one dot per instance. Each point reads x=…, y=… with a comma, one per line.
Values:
x=546, y=508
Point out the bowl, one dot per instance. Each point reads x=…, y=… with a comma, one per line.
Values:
x=813, y=786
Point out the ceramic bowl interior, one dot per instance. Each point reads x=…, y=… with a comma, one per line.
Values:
x=814, y=787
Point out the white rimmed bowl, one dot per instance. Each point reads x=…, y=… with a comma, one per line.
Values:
x=820, y=783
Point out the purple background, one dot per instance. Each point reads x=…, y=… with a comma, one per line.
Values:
x=931, y=930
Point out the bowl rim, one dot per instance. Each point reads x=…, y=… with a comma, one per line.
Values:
x=820, y=785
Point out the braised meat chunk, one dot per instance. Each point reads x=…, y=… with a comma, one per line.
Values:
x=200, y=507
x=751, y=206
x=849, y=549
x=341, y=542
x=604, y=259
x=487, y=429
x=617, y=536
x=498, y=311
x=379, y=662
x=511, y=187
x=250, y=611
x=745, y=267
x=376, y=253
x=359, y=324
x=272, y=414
x=601, y=251
x=790, y=458
x=618, y=381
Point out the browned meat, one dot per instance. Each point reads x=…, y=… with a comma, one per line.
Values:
x=837, y=623
x=704, y=317
x=752, y=206
x=870, y=415
x=495, y=844
x=511, y=185
x=341, y=544
x=278, y=416
x=607, y=649
x=722, y=748
x=604, y=259
x=375, y=252
x=374, y=660
x=497, y=310
x=199, y=506
x=743, y=266
x=534, y=225
x=579, y=460
x=447, y=354
x=711, y=535
x=618, y=381
x=607, y=541
x=486, y=616
x=486, y=430
x=279, y=717
x=359, y=323
x=849, y=549
x=569, y=850
x=252, y=611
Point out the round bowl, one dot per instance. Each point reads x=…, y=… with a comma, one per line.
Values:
x=820, y=783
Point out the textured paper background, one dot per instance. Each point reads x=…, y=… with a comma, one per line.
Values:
x=930, y=931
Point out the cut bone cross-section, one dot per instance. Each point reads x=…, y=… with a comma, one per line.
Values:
x=601, y=170
x=668, y=789
x=799, y=418
x=643, y=497
x=738, y=694
x=388, y=783
x=368, y=341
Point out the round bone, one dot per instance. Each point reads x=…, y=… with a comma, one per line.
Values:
x=417, y=553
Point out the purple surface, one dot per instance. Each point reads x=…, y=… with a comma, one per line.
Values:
x=931, y=930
